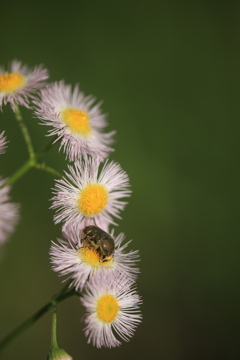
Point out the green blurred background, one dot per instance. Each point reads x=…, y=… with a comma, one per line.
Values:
x=168, y=72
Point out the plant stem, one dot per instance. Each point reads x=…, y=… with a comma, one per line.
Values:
x=26, y=324
x=25, y=132
x=47, y=147
x=20, y=172
x=48, y=169
x=54, y=344
x=33, y=163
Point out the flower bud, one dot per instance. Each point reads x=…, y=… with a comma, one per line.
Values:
x=58, y=354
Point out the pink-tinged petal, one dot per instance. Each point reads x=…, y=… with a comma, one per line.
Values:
x=68, y=193
x=67, y=260
x=18, y=84
x=100, y=330
x=83, y=132
x=9, y=212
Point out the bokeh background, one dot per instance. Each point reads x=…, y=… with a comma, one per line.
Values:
x=168, y=72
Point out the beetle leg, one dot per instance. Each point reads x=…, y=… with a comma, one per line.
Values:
x=107, y=258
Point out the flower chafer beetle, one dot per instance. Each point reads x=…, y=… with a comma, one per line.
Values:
x=96, y=238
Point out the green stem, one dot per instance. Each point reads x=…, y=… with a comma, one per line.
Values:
x=25, y=132
x=32, y=163
x=20, y=172
x=47, y=147
x=26, y=324
x=54, y=344
x=48, y=169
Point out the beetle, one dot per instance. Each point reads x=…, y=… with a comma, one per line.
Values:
x=96, y=238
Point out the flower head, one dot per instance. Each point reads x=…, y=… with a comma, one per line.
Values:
x=19, y=83
x=3, y=143
x=87, y=193
x=75, y=120
x=8, y=212
x=81, y=263
x=112, y=309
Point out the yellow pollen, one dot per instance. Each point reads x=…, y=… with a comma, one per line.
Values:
x=77, y=120
x=107, y=308
x=93, y=258
x=108, y=261
x=90, y=256
x=93, y=199
x=11, y=82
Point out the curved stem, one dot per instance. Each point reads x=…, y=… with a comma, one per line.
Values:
x=20, y=172
x=31, y=163
x=25, y=132
x=26, y=324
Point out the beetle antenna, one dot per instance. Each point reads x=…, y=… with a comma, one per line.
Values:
x=94, y=222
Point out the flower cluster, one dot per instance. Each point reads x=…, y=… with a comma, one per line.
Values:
x=87, y=201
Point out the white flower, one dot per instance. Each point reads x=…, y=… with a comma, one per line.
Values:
x=87, y=193
x=81, y=263
x=112, y=309
x=75, y=120
x=19, y=83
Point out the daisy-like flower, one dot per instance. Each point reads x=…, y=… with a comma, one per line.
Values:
x=75, y=120
x=112, y=309
x=19, y=83
x=3, y=143
x=84, y=194
x=81, y=263
x=8, y=212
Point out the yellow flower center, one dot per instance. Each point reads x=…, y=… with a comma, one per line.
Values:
x=107, y=308
x=77, y=120
x=11, y=82
x=92, y=257
x=93, y=199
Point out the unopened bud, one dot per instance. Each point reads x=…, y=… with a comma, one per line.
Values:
x=58, y=354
